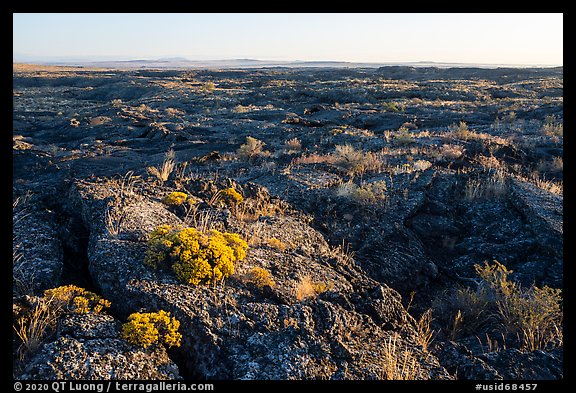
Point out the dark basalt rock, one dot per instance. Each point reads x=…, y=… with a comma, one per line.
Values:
x=84, y=140
x=232, y=331
x=89, y=348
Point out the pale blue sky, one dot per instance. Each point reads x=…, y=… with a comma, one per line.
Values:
x=522, y=39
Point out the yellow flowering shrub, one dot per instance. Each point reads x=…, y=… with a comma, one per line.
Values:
x=176, y=198
x=231, y=197
x=194, y=256
x=145, y=329
x=71, y=298
x=159, y=246
x=260, y=277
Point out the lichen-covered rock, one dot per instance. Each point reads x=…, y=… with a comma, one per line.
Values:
x=536, y=365
x=460, y=361
x=37, y=250
x=236, y=330
x=506, y=364
x=89, y=348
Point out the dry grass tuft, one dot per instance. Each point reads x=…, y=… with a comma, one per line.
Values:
x=308, y=289
x=399, y=362
x=163, y=172
x=33, y=327
x=277, y=244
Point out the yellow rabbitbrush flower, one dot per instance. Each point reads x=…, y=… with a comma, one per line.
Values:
x=194, y=256
x=145, y=329
x=159, y=246
x=176, y=198
x=260, y=277
x=75, y=299
x=231, y=197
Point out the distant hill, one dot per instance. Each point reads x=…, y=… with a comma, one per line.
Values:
x=180, y=62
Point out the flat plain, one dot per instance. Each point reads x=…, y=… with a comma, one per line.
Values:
x=399, y=222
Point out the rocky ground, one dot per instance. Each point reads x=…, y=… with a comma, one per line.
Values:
x=371, y=197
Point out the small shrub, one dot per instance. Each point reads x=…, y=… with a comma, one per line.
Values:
x=70, y=298
x=276, y=243
x=292, y=146
x=145, y=329
x=208, y=87
x=488, y=162
x=42, y=319
x=392, y=107
x=347, y=157
x=260, y=277
x=451, y=152
x=252, y=148
x=175, y=198
x=459, y=131
x=243, y=109
x=553, y=127
x=403, y=136
x=421, y=165
x=195, y=257
x=356, y=161
x=363, y=193
x=534, y=314
x=532, y=317
x=231, y=197
x=307, y=288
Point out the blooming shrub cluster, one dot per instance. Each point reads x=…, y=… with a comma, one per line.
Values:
x=145, y=329
x=260, y=277
x=70, y=298
x=231, y=197
x=194, y=256
x=176, y=198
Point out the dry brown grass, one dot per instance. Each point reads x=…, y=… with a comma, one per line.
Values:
x=424, y=332
x=399, y=362
x=451, y=152
x=33, y=327
x=277, y=244
x=314, y=158
x=553, y=127
x=292, y=146
x=356, y=162
x=162, y=173
x=342, y=253
x=309, y=289
x=493, y=186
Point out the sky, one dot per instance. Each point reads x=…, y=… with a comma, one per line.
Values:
x=515, y=39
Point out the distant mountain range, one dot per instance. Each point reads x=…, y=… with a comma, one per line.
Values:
x=180, y=62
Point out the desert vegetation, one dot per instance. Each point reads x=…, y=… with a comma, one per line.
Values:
x=387, y=223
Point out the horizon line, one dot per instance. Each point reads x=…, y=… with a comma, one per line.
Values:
x=79, y=60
